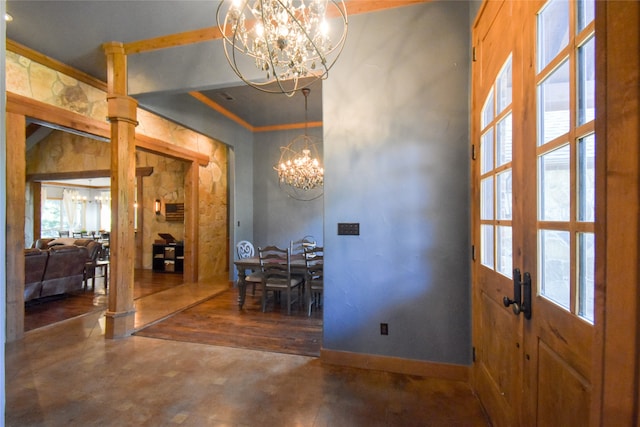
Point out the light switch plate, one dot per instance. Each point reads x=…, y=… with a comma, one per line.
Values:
x=348, y=229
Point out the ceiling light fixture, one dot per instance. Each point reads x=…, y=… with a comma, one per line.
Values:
x=290, y=41
x=300, y=171
x=8, y=17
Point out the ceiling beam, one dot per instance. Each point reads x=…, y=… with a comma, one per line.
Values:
x=214, y=33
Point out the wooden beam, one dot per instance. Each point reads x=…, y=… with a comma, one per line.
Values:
x=51, y=114
x=366, y=6
x=163, y=148
x=102, y=173
x=173, y=40
x=15, y=190
x=213, y=33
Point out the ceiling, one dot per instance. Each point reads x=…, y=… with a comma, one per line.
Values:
x=73, y=32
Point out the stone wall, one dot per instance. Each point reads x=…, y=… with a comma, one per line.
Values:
x=31, y=79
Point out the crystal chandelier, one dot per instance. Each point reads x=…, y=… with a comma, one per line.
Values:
x=300, y=172
x=290, y=41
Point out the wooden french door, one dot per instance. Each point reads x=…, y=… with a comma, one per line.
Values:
x=533, y=110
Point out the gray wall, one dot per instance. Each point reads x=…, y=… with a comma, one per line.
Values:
x=396, y=151
x=396, y=146
x=278, y=218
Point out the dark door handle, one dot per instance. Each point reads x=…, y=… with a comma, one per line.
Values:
x=520, y=305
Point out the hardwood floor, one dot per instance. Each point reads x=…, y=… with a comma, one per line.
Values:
x=218, y=321
x=46, y=311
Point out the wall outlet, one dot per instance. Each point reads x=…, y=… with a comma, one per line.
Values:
x=384, y=329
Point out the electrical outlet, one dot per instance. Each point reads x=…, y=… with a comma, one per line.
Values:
x=384, y=329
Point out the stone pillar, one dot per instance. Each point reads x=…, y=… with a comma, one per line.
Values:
x=122, y=111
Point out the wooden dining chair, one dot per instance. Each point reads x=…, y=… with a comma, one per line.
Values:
x=276, y=270
x=297, y=247
x=314, y=280
x=245, y=249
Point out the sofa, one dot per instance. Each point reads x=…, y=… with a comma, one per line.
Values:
x=57, y=266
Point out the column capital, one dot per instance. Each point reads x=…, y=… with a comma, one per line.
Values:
x=113, y=48
x=122, y=108
x=116, y=68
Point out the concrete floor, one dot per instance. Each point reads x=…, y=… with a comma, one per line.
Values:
x=67, y=374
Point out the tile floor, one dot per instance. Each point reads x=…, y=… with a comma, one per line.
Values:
x=67, y=374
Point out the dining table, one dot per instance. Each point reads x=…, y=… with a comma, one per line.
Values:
x=249, y=265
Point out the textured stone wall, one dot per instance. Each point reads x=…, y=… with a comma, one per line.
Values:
x=33, y=80
x=73, y=153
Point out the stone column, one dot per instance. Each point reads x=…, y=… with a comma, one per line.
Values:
x=122, y=111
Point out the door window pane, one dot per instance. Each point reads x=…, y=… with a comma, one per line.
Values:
x=553, y=31
x=504, y=140
x=586, y=178
x=486, y=151
x=586, y=284
x=486, y=245
x=503, y=88
x=554, y=185
x=555, y=266
x=486, y=198
x=505, y=245
x=504, y=196
x=586, y=13
x=487, y=110
x=586, y=82
x=554, y=105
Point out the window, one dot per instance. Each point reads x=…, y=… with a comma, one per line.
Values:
x=566, y=154
x=496, y=149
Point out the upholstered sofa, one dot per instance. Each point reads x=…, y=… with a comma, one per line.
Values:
x=53, y=268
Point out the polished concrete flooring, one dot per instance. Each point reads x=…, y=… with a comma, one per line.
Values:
x=68, y=374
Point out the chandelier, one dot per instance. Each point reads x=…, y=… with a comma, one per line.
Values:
x=289, y=41
x=300, y=172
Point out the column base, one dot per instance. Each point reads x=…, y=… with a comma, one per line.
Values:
x=119, y=324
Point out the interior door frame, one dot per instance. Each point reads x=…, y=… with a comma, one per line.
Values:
x=17, y=109
x=616, y=394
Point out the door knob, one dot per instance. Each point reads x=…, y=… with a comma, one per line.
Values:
x=516, y=305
